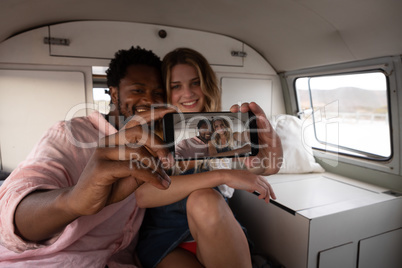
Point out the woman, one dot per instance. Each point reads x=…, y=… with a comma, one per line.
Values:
x=191, y=212
x=222, y=138
x=225, y=142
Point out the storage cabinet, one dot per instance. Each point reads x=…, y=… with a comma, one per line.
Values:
x=324, y=220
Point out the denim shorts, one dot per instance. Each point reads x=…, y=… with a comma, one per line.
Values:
x=163, y=229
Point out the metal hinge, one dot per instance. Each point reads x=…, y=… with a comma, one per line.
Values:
x=239, y=54
x=56, y=41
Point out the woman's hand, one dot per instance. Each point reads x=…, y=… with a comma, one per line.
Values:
x=270, y=155
x=245, y=180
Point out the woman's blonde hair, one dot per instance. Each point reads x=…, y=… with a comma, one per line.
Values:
x=208, y=81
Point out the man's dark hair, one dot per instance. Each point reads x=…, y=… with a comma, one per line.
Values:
x=124, y=58
x=203, y=122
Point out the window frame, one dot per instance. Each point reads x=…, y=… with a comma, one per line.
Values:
x=390, y=66
x=354, y=152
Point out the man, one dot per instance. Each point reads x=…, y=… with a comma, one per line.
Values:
x=197, y=146
x=70, y=203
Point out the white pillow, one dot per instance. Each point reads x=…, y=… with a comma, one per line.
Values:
x=297, y=155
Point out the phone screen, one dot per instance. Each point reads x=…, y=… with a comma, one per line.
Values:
x=194, y=136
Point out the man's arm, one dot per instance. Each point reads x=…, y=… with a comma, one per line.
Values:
x=106, y=179
x=43, y=214
x=211, y=149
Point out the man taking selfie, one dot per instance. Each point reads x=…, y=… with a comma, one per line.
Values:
x=72, y=202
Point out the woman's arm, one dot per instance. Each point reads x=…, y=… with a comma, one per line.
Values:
x=235, y=152
x=181, y=186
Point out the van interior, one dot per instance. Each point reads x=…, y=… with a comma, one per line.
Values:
x=328, y=75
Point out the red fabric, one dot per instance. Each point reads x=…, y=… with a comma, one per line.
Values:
x=190, y=246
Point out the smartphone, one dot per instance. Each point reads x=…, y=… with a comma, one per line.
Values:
x=197, y=136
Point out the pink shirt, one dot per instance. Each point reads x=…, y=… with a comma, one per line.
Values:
x=90, y=241
x=191, y=148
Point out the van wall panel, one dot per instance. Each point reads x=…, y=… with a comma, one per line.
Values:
x=239, y=90
x=101, y=39
x=30, y=102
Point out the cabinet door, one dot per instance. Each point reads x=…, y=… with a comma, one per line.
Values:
x=384, y=250
x=343, y=256
x=30, y=102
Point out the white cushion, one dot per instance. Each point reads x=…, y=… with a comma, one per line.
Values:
x=297, y=154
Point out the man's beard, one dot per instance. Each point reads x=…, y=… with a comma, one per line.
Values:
x=204, y=139
x=123, y=119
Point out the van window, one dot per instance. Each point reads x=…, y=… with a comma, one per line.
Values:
x=347, y=113
x=101, y=97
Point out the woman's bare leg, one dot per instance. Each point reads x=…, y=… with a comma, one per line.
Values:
x=220, y=240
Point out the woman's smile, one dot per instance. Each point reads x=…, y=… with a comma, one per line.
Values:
x=186, y=89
